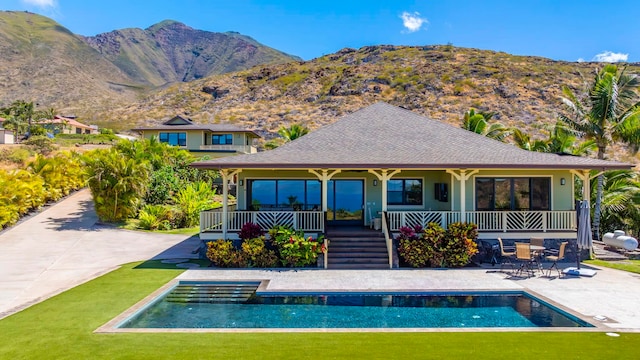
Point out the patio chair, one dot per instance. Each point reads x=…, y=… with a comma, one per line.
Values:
x=523, y=255
x=556, y=258
x=506, y=253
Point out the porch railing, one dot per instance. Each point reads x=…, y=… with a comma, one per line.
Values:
x=498, y=221
x=398, y=219
x=245, y=149
x=308, y=221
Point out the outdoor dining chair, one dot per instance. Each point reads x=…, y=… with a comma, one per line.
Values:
x=506, y=253
x=556, y=258
x=523, y=255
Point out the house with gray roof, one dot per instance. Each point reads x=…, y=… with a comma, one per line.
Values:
x=385, y=165
x=215, y=140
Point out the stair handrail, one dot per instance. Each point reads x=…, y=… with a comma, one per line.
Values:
x=326, y=241
x=387, y=238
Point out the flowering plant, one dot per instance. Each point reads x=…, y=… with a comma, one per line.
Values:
x=294, y=248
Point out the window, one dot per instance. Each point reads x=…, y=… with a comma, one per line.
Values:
x=520, y=193
x=404, y=192
x=222, y=139
x=171, y=138
x=284, y=195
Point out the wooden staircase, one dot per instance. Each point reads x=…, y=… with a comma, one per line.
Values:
x=357, y=248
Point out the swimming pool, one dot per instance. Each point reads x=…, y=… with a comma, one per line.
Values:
x=235, y=305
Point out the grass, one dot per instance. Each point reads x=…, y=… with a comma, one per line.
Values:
x=62, y=328
x=626, y=265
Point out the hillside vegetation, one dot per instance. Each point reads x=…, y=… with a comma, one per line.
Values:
x=441, y=82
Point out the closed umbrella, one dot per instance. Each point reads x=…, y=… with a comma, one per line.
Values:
x=584, y=238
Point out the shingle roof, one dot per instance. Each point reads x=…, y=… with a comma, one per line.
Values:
x=385, y=136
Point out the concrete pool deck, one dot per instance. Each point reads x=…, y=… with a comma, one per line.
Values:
x=611, y=294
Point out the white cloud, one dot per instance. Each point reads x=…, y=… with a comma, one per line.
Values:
x=41, y=3
x=580, y=60
x=412, y=21
x=610, y=56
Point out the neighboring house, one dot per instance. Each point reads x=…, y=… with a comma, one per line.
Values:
x=67, y=125
x=385, y=161
x=6, y=136
x=215, y=140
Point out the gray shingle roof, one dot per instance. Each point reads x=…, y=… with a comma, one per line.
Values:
x=385, y=136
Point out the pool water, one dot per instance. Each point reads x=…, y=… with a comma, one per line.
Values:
x=364, y=310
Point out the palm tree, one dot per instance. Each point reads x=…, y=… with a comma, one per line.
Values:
x=621, y=201
x=612, y=115
x=479, y=124
x=293, y=132
x=524, y=141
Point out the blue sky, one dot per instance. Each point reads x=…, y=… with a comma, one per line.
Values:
x=558, y=29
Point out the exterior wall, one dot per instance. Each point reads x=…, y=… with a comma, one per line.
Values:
x=194, y=138
x=6, y=136
x=561, y=195
x=372, y=193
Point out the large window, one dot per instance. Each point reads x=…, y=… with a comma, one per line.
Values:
x=284, y=195
x=173, y=138
x=404, y=192
x=222, y=139
x=520, y=193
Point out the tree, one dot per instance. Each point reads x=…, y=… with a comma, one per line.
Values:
x=293, y=132
x=478, y=122
x=611, y=115
x=621, y=201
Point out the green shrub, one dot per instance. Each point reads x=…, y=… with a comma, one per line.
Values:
x=40, y=144
x=223, y=254
x=257, y=254
x=193, y=199
x=436, y=247
x=294, y=249
x=156, y=217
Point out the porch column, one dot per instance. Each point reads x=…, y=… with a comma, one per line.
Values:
x=383, y=177
x=226, y=175
x=463, y=177
x=324, y=177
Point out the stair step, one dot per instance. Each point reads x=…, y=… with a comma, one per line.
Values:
x=357, y=244
x=360, y=266
x=384, y=260
x=211, y=293
x=358, y=255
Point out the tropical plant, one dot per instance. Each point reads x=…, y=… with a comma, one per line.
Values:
x=437, y=247
x=193, y=199
x=156, y=217
x=611, y=115
x=117, y=183
x=293, y=132
x=478, y=122
x=250, y=231
x=621, y=201
x=293, y=248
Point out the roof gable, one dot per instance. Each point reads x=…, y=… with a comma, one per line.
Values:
x=386, y=136
x=178, y=120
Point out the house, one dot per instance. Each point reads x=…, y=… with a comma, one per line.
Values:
x=215, y=140
x=67, y=125
x=406, y=169
x=6, y=136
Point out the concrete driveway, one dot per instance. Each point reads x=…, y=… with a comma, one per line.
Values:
x=64, y=246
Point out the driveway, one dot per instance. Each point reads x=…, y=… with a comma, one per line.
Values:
x=64, y=246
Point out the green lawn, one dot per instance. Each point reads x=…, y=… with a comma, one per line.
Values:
x=626, y=265
x=62, y=328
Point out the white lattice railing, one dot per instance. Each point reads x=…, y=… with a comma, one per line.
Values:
x=501, y=221
x=307, y=221
x=398, y=219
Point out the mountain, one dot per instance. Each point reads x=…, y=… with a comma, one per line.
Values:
x=441, y=82
x=171, y=52
x=44, y=62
